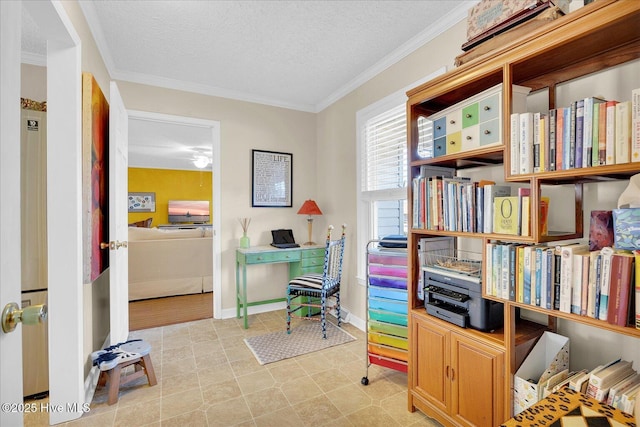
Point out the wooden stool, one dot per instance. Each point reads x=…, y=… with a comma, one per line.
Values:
x=142, y=366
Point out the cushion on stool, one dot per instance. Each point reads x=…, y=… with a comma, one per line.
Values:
x=112, y=356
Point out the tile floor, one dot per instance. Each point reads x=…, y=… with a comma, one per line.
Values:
x=207, y=376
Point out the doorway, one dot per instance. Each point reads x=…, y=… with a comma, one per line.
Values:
x=184, y=147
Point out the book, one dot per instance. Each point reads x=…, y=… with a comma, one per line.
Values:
x=559, y=138
x=488, y=279
x=520, y=273
x=526, y=274
x=619, y=288
x=548, y=269
x=600, y=382
x=568, y=137
x=579, y=133
x=526, y=143
x=616, y=390
x=524, y=211
x=579, y=381
x=552, y=140
x=602, y=133
x=623, y=132
x=536, y=142
x=566, y=278
x=577, y=279
x=492, y=191
x=605, y=255
x=587, y=131
x=514, y=144
x=505, y=215
x=538, y=276
x=557, y=274
x=543, y=137
x=600, y=230
x=496, y=270
x=635, y=125
x=591, y=295
x=610, y=131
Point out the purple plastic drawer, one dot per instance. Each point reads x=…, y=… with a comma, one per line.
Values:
x=388, y=282
x=385, y=270
x=390, y=258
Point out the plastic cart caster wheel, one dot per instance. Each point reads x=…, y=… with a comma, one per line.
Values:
x=364, y=381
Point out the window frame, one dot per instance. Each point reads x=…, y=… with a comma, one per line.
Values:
x=366, y=199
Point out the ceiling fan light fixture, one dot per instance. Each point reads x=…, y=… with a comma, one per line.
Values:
x=201, y=162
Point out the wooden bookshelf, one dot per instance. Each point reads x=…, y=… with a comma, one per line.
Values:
x=599, y=36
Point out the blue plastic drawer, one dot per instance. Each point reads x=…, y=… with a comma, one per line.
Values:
x=388, y=305
x=388, y=282
x=388, y=293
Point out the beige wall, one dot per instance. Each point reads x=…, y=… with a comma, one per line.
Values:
x=337, y=151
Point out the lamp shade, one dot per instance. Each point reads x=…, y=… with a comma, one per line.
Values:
x=309, y=207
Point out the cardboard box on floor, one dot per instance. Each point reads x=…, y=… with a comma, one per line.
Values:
x=549, y=356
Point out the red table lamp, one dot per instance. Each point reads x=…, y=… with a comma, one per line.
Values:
x=309, y=208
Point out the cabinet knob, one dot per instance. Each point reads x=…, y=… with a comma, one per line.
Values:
x=438, y=127
x=469, y=138
x=487, y=132
x=453, y=122
x=469, y=116
x=487, y=108
x=452, y=143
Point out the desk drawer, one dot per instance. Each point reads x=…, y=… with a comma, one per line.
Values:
x=269, y=257
x=313, y=253
x=313, y=262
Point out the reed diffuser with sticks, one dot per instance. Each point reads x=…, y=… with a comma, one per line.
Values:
x=244, y=240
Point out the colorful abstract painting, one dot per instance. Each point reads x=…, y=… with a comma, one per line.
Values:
x=95, y=179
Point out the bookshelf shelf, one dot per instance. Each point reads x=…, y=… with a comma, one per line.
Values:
x=597, y=37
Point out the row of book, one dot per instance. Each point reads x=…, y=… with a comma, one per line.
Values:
x=459, y=204
x=602, y=284
x=590, y=132
x=615, y=383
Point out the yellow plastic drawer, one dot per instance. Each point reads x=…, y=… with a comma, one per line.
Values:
x=390, y=340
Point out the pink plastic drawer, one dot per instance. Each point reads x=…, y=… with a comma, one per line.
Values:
x=385, y=270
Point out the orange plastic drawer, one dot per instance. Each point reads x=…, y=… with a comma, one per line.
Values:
x=386, y=351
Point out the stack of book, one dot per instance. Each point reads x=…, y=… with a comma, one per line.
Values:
x=590, y=132
x=445, y=202
x=600, y=284
x=616, y=383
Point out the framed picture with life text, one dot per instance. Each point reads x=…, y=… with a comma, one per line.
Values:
x=271, y=179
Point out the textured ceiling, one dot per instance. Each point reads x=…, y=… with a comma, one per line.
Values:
x=295, y=54
x=302, y=55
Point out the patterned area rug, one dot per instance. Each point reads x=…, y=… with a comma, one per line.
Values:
x=303, y=339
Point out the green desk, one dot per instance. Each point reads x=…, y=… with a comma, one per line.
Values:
x=302, y=260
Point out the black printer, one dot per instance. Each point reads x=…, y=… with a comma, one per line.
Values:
x=457, y=298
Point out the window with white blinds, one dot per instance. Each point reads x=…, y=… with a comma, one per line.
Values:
x=385, y=151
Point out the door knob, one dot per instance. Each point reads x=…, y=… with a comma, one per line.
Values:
x=32, y=315
x=108, y=245
x=114, y=245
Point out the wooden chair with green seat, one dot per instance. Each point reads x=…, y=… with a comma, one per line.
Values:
x=313, y=290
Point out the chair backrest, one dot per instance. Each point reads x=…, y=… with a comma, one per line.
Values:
x=333, y=255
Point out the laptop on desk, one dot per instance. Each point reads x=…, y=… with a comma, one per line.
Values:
x=283, y=239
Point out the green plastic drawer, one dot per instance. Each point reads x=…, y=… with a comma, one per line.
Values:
x=389, y=328
x=389, y=317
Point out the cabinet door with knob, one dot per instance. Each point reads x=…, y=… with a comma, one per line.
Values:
x=457, y=376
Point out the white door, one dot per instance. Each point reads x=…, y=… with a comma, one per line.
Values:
x=119, y=254
x=10, y=343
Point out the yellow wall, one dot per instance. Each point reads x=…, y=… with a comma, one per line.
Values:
x=168, y=184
